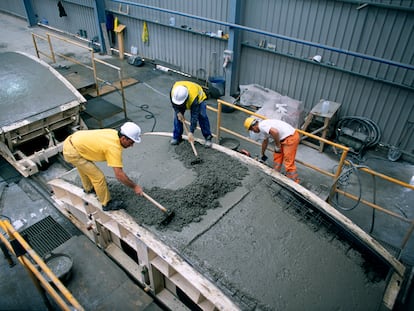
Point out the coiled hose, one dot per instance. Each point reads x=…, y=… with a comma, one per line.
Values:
x=360, y=130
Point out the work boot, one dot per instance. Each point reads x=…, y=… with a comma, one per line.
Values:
x=208, y=142
x=92, y=191
x=113, y=205
x=175, y=141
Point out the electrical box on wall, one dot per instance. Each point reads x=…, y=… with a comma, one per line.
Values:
x=228, y=57
x=228, y=54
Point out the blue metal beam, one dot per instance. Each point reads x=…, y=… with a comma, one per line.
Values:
x=100, y=17
x=30, y=14
x=270, y=34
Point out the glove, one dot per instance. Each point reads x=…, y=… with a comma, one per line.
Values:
x=263, y=158
x=191, y=137
x=278, y=150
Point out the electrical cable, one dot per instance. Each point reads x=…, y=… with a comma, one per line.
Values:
x=143, y=107
x=375, y=202
x=4, y=216
x=343, y=178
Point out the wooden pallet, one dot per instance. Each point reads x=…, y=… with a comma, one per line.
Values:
x=114, y=87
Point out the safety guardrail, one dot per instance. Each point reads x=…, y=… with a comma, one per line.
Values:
x=335, y=176
x=52, y=56
x=28, y=258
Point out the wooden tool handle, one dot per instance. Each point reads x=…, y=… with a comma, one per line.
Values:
x=154, y=202
x=187, y=131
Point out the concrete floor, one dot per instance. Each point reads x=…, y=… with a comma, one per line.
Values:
x=152, y=91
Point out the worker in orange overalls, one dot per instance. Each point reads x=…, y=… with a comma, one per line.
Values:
x=286, y=140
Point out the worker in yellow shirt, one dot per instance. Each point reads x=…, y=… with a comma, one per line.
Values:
x=187, y=95
x=85, y=147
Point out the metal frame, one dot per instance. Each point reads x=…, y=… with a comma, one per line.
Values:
x=94, y=60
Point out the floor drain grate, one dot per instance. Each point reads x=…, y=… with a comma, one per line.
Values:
x=45, y=235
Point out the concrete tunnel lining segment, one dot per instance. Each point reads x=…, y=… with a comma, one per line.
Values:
x=247, y=241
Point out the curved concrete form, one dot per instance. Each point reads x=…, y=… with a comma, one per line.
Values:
x=243, y=237
x=35, y=103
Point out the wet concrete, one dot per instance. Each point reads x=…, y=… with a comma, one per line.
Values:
x=197, y=189
x=21, y=87
x=245, y=232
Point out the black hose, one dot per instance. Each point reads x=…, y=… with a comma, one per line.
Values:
x=143, y=107
x=149, y=115
x=374, y=181
x=345, y=174
x=4, y=216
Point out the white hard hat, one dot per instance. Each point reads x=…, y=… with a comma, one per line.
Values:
x=317, y=58
x=180, y=94
x=132, y=131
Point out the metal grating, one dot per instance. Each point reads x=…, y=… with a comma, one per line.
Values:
x=45, y=235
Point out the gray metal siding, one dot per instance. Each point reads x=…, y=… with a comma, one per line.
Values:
x=374, y=31
x=185, y=46
x=370, y=31
x=382, y=29
x=79, y=17
x=13, y=7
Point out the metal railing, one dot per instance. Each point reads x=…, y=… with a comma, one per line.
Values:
x=52, y=56
x=28, y=258
x=335, y=176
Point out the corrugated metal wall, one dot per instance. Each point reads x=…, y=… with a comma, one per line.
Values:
x=175, y=39
x=382, y=29
x=352, y=81
x=13, y=7
x=80, y=16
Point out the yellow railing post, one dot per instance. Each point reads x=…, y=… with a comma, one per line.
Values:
x=218, y=132
x=35, y=274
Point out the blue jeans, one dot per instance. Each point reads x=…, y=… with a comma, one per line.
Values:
x=196, y=114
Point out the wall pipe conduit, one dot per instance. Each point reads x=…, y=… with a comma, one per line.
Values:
x=262, y=32
x=376, y=4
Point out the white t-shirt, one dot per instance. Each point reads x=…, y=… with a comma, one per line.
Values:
x=285, y=129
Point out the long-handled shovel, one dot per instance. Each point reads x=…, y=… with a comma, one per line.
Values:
x=197, y=160
x=170, y=214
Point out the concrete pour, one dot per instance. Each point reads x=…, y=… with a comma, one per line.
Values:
x=240, y=229
x=190, y=190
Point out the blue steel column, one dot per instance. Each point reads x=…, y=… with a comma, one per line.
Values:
x=100, y=17
x=31, y=17
x=233, y=45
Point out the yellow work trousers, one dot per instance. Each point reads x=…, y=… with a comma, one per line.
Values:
x=91, y=176
x=287, y=156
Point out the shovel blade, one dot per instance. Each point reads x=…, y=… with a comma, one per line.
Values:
x=196, y=161
x=167, y=220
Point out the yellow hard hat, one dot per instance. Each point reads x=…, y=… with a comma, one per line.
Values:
x=249, y=122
